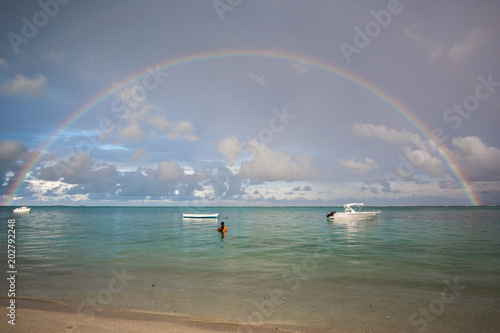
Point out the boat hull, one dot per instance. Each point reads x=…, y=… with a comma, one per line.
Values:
x=354, y=216
x=22, y=210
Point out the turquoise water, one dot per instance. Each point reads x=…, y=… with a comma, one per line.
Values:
x=286, y=265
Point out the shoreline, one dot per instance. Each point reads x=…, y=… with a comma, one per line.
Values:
x=38, y=315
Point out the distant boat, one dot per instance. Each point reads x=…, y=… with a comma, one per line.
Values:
x=351, y=213
x=200, y=216
x=23, y=209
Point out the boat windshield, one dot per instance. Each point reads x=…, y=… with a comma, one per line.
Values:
x=349, y=207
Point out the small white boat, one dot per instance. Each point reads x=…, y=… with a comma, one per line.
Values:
x=200, y=216
x=23, y=209
x=351, y=213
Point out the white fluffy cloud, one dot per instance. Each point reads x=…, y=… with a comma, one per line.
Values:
x=383, y=133
x=271, y=165
x=170, y=171
x=422, y=159
x=132, y=132
x=416, y=150
x=173, y=130
x=230, y=148
x=361, y=168
x=480, y=162
x=182, y=129
x=22, y=85
x=267, y=164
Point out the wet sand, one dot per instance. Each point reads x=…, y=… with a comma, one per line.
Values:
x=48, y=316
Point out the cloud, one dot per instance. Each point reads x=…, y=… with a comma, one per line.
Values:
x=173, y=130
x=133, y=96
x=226, y=184
x=182, y=129
x=139, y=155
x=160, y=122
x=81, y=175
x=11, y=150
x=299, y=189
x=13, y=155
x=272, y=165
x=383, y=133
x=22, y=85
x=258, y=78
x=466, y=47
x=419, y=156
x=360, y=168
x=3, y=63
x=75, y=170
x=78, y=175
x=449, y=184
x=56, y=56
x=434, y=50
x=377, y=185
x=479, y=161
x=230, y=148
x=132, y=132
x=457, y=52
x=300, y=67
x=141, y=116
x=422, y=159
x=170, y=171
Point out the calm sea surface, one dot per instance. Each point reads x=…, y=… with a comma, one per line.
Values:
x=416, y=269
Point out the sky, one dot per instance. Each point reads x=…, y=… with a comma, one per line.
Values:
x=249, y=102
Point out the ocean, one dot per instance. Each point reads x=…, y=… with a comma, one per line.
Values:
x=414, y=269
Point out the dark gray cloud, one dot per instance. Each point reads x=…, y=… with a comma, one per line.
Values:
x=12, y=155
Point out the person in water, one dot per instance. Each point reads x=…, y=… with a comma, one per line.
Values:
x=331, y=214
x=222, y=228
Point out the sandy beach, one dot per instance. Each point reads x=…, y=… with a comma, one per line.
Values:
x=48, y=316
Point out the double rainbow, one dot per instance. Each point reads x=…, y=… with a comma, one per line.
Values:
x=405, y=112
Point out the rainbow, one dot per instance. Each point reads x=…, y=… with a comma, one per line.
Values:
x=469, y=191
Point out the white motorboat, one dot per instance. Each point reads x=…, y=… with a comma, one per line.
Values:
x=23, y=209
x=200, y=216
x=353, y=211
